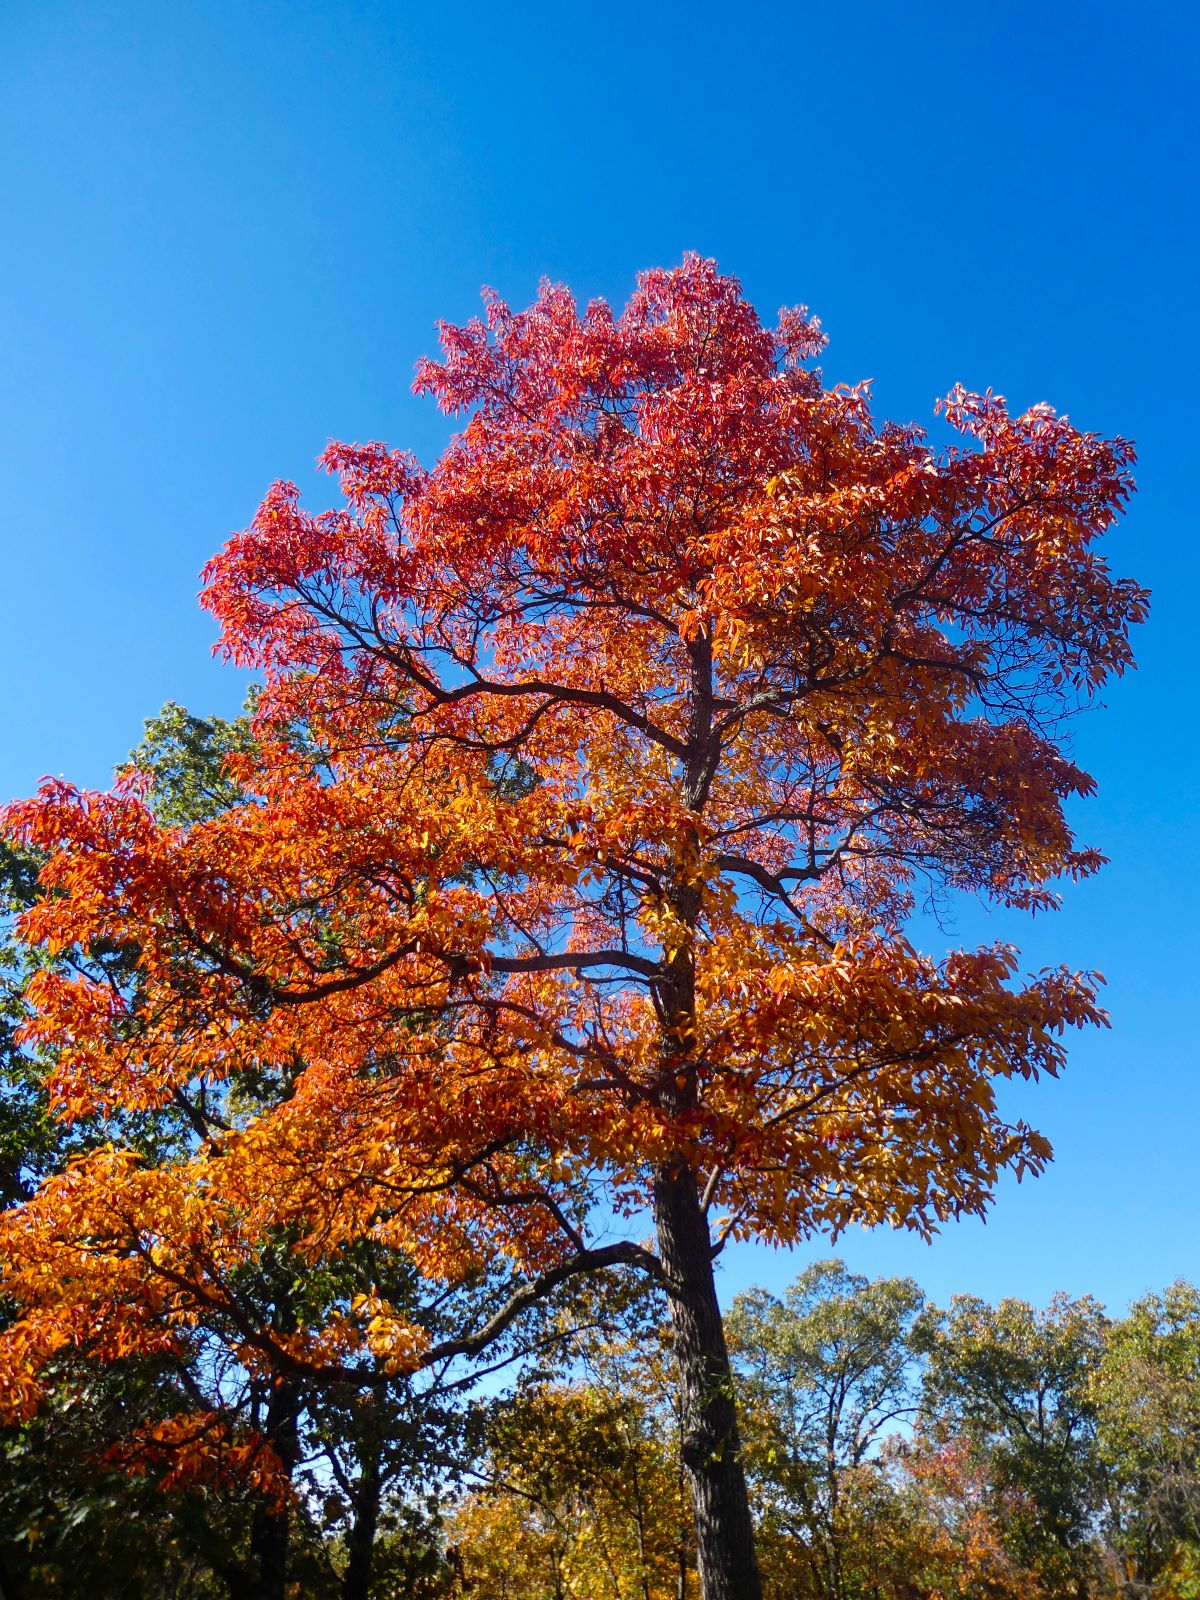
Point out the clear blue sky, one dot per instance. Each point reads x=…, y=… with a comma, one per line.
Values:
x=228, y=228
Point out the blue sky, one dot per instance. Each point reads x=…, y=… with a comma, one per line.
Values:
x=228, y=229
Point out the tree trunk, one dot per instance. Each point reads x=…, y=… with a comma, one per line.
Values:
x=356, y=1583
x=710, y=1445
x=270, y=1527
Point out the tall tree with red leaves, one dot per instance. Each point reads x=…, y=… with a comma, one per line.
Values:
x=597, y=771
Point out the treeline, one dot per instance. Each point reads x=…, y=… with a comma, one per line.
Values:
x=896, y=1451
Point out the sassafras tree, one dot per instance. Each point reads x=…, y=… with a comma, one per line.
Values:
x=597, y=771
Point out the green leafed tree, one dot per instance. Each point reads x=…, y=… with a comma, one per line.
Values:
x=828, y=1374
x=1018, y=1386
x=1148, y=1406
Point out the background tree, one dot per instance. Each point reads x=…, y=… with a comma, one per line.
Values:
x=949, y=1530
x=1018, y=1386
x=596, y=770
x=105, y=1489
x=72, y=1521
x=827, y=1375
x=1147, y=1394
x=580, y=1502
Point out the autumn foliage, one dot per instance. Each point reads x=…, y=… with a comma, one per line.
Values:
x=596, y=772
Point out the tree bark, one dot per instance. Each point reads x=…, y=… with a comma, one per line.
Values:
x=356, y=1583
x=711, y=1448
x=271, y=1525
x=709, y=1443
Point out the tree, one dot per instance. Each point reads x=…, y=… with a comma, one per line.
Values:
x=828, y=1374
x=1147, y=1395
x=597, y=771
x=150, y=1469
x=581, y=1492
x=949, y=1529
x=71, y=1521
x=580, y=1501
x=1018, y=1387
